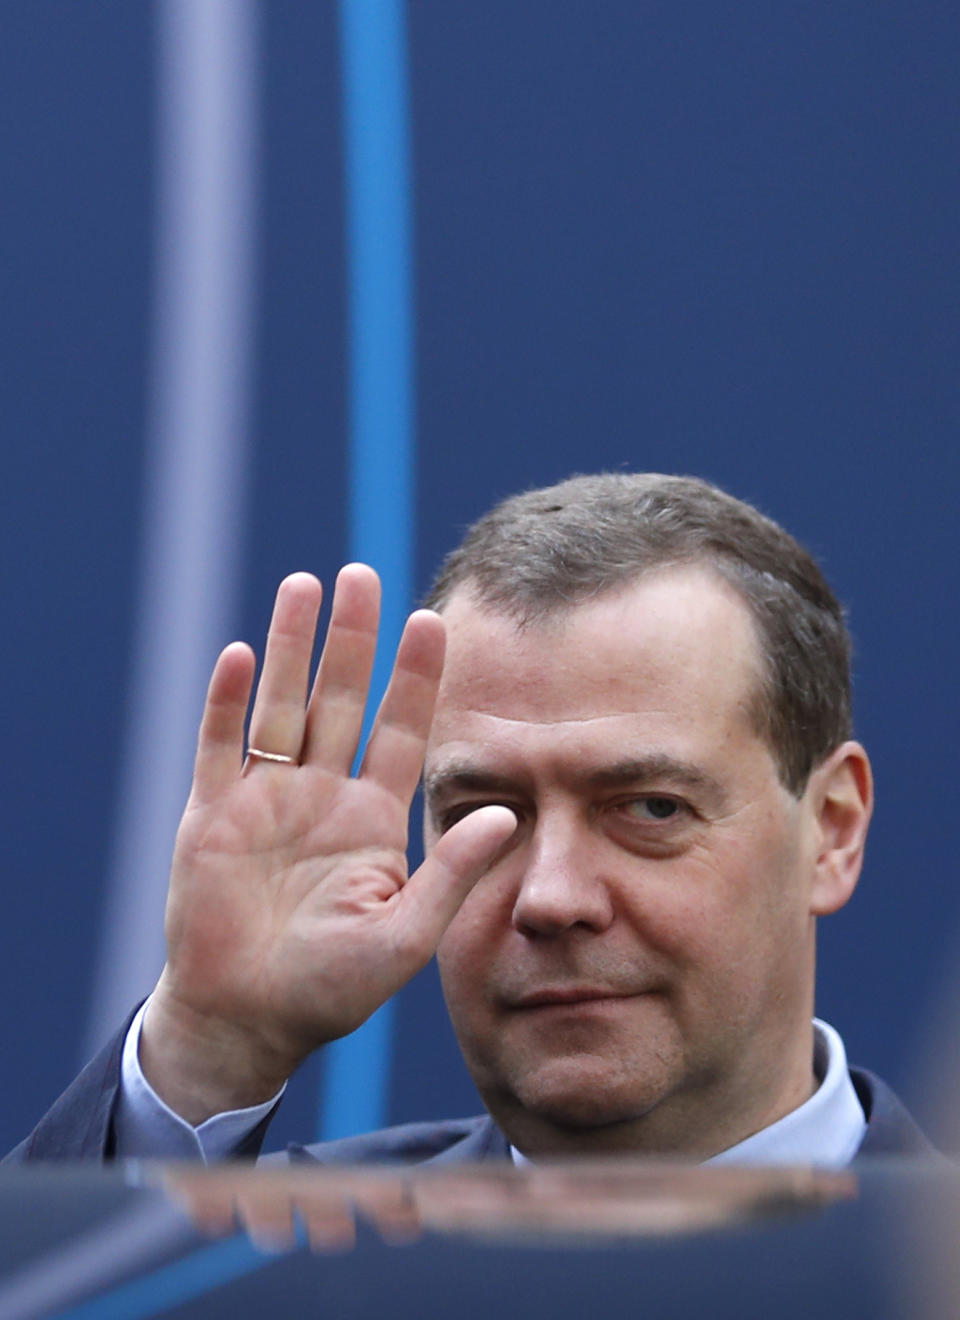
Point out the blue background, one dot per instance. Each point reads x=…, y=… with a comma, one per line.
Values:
x=646, y=235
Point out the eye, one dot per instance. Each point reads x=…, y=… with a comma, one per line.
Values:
x=653, y=807
x=444, y=820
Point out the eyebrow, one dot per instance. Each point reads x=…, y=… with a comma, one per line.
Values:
x=659, y=767
x=464, y=775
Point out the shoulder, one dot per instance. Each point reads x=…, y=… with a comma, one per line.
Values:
x=891, y=1129
x=456, y=1140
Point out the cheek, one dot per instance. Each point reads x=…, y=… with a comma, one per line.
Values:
x=460, y=956
x=752, y=917
x=713, y=907
x=448, y=953
x=462, y=989
x=469, y=948
x=485, y=915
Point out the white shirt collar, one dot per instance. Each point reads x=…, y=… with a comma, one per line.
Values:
x=825, y=1130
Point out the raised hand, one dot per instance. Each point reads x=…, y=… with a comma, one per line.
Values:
x=291, y=917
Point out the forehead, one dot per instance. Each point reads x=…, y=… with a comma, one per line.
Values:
x=676, y=650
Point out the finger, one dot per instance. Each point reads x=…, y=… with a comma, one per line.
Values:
x=396, y=1224
x=267, y=1216
x=339, y=697
x=279, y=710
x=220, y=743
x=398, y=740
x=214, y=1219
x=391, y=1207
x=209, y=1205
x=330, y=1226
x=432, y=896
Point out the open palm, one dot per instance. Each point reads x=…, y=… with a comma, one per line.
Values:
x=291, y=917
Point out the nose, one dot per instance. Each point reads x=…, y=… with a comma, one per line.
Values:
x=561, y=886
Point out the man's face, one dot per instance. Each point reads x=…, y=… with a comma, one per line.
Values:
x=636, y=969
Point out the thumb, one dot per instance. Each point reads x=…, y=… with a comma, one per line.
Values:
x=433, y=894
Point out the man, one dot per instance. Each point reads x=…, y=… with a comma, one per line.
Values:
x=641, y=792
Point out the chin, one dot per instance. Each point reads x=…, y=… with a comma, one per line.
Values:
x=588, y=1093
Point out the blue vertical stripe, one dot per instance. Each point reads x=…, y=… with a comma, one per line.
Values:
x=381, y=409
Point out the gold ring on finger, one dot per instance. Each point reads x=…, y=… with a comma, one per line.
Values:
x=277, y=758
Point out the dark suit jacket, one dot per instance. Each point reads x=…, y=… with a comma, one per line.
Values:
x=78, y=1127
x=890, y=1131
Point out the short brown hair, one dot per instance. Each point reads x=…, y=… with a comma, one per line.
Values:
x=547, y=550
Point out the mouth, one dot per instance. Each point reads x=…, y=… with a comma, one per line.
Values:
x=564, y=996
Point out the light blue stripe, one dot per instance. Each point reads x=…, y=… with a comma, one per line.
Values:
x=381, y=449
x=197, y=462
x=156, y=1293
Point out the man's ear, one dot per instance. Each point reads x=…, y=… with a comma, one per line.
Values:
x=841, y=798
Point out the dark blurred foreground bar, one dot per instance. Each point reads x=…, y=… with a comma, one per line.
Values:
x=556, y=1241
